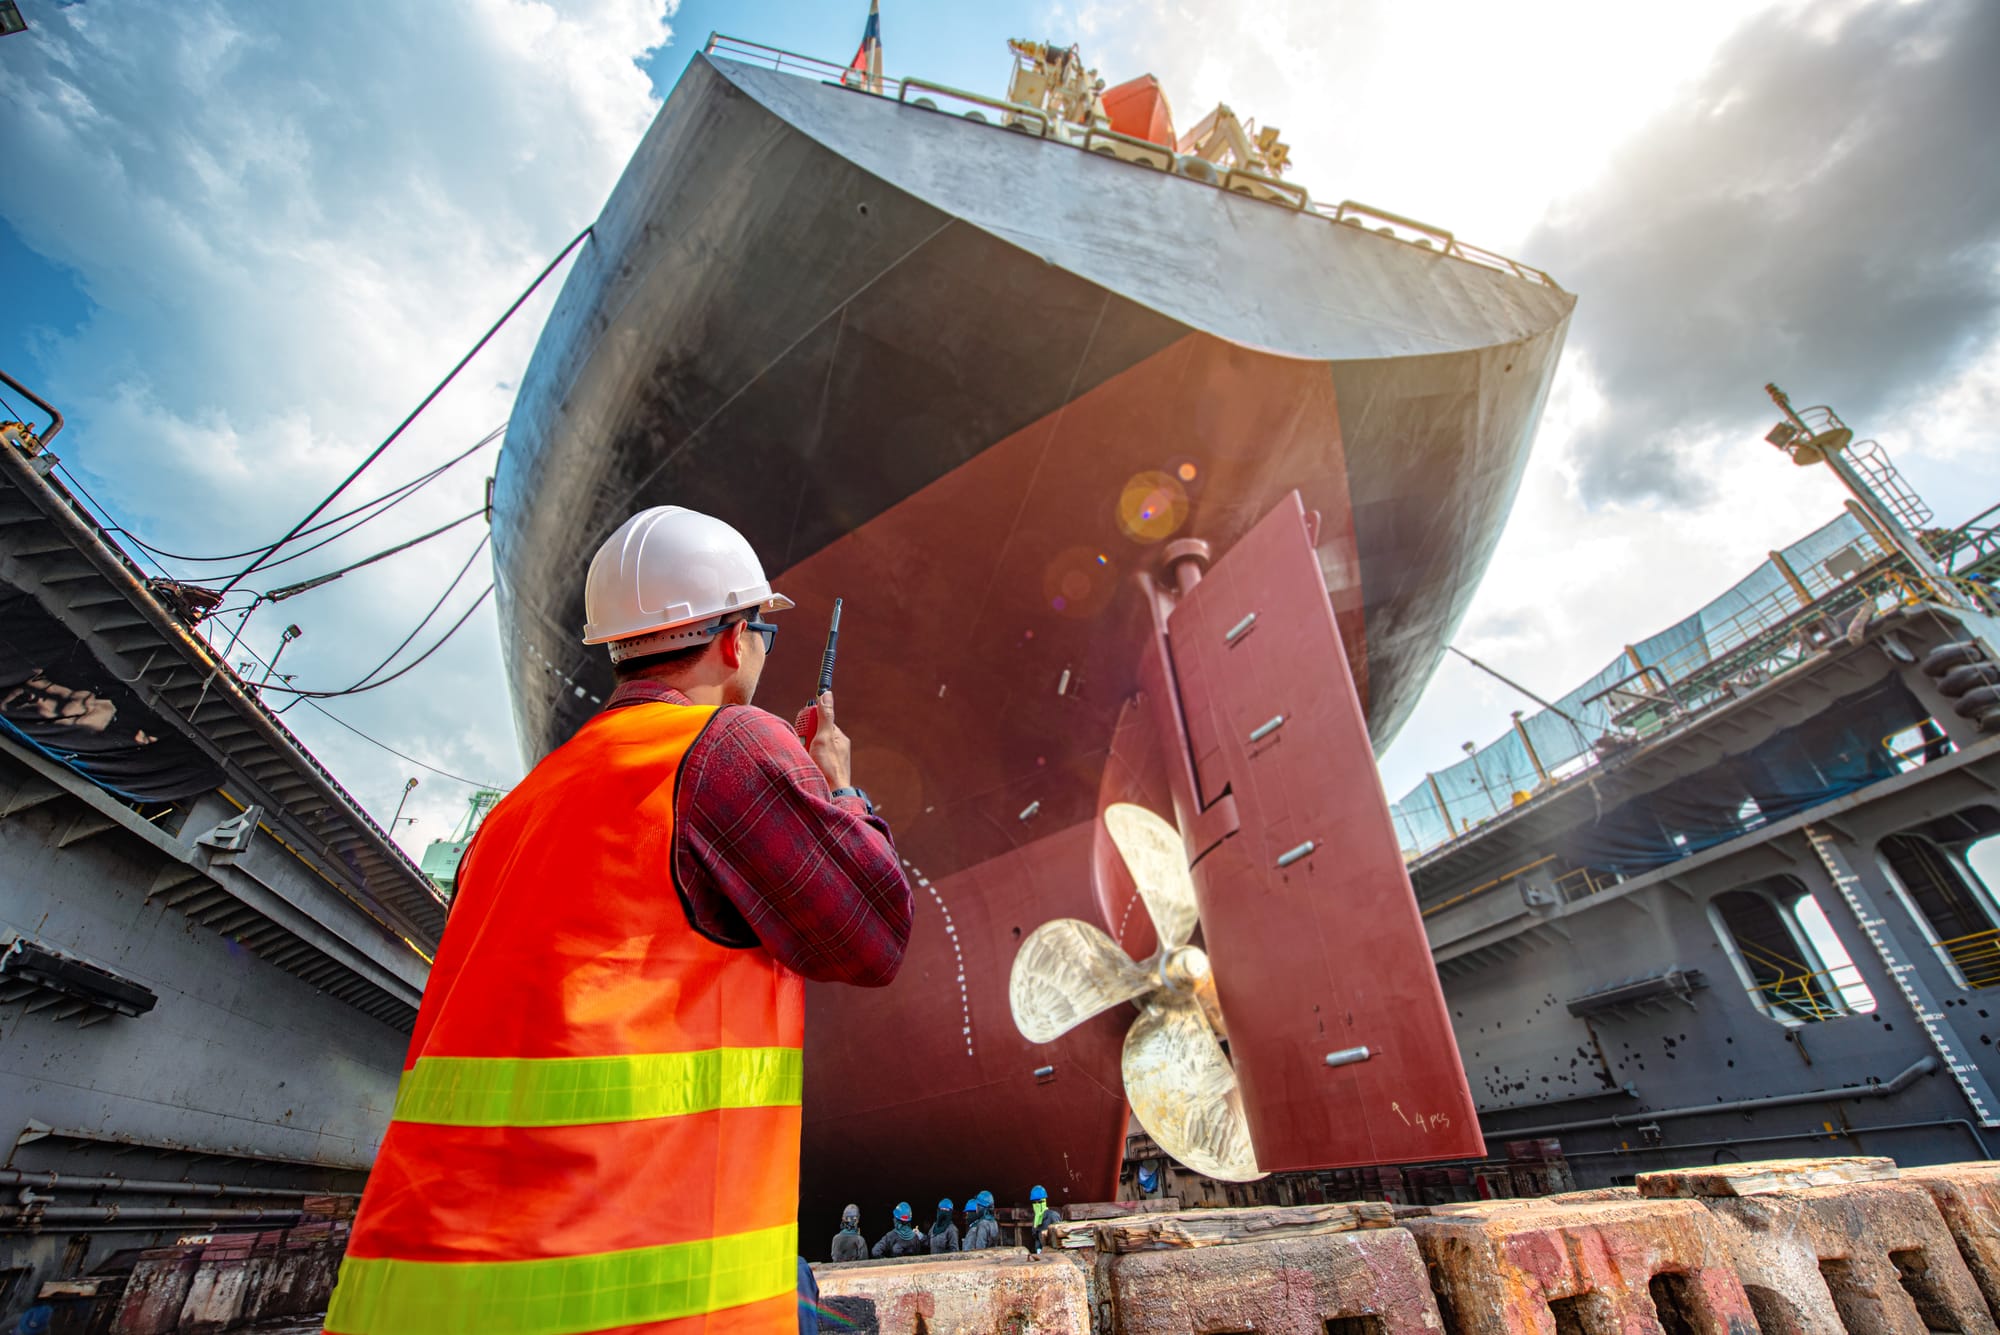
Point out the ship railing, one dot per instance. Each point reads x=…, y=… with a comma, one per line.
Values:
x=1025, y=119
x=774, y=58
x=1802, y=603
x=1426, y=236
x=1919, y=749
x=1976, y=956
x=1014, y=115
x=1798, y=990
x=1582, y=883
x=1126, y=148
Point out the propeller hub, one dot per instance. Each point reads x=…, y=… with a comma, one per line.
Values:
x=1183, y=970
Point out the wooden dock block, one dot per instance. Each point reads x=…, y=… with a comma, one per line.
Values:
x=1212, y=1228
x=1756, y=1179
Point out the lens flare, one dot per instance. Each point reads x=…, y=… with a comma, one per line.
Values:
x=1152, y=507
x=1078, y=582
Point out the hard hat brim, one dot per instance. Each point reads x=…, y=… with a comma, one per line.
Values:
x=775, y=602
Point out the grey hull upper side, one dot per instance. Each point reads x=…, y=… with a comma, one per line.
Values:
x=1261, y=275
x=803, y=304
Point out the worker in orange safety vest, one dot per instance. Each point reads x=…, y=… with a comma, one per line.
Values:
x=597, y=1127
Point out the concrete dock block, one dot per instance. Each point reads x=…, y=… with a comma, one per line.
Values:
x=1864, y=1258
x=1968, y=1196
x=1004, y=1291
x=1370, y=1282
x=1629, y=1267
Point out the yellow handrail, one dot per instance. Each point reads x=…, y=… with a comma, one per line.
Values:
x=1977, y=955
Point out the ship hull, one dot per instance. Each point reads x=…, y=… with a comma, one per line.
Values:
x=972, y=382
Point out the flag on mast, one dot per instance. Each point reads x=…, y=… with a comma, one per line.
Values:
x=867, y=60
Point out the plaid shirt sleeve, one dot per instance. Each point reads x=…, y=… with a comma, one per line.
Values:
x=763, y=853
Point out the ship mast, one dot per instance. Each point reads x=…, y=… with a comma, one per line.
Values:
x=1817, y=435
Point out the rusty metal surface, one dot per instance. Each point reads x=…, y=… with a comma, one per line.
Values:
x=1293, y=1286
x=1307, y=912
x=1967, y=1195
x=1874, y=1258
x=157, y=1291
x=1508, y=1268
x=1005, y=1290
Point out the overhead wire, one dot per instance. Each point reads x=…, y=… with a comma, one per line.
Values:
x=388, y=500
x=378, y=742
x=399, y=672
x=418, y=628
x=391, y=438
x=403, y=755
x=293, y=590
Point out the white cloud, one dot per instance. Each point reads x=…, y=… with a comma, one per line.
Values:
x=292, y=220
x=1469, y=115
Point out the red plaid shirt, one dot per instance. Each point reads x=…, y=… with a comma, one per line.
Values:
x=765, y=854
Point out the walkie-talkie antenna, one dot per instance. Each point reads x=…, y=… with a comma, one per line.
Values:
x=832, y=643
x=807, y=723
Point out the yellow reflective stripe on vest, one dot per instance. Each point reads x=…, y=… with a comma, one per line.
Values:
x=563, y=1295
x=571, y=1091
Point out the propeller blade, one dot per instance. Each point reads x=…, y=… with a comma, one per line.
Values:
x=1066, y=972
x=1183, y=1091
x=1157, y=859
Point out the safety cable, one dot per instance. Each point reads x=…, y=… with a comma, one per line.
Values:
x=449, y=589
x=388, y=500
x=407, y=667
x=278, y=595
x=310, y=699
x=401, y=755
x=390, y=439
x=376, y=741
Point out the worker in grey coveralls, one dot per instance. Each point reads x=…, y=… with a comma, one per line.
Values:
x=848, y=1244
x=985, y=1229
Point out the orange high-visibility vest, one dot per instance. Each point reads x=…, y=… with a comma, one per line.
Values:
x=598, y=1123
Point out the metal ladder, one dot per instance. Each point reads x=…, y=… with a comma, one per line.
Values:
x=1872, y=462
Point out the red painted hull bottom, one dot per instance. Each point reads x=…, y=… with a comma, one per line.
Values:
x=993, y=644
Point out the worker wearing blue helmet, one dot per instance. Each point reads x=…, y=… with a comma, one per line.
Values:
x=944, y=1230
x=903, y=1239
x=1045, y=1217
x=984, y=1230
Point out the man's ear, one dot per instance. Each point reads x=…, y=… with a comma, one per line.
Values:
x=731, y=643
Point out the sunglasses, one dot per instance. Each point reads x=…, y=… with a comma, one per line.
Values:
x=766, y=629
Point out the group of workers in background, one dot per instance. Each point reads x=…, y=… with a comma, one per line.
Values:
x=982, y=1230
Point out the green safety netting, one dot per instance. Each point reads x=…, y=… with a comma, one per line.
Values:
x=1484, y=784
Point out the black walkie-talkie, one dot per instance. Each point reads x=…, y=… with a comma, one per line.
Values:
x=807, y=722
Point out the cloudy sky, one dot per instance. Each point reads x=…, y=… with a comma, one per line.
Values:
x=242, y=240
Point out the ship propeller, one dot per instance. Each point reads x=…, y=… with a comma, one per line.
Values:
x=1178, y=1076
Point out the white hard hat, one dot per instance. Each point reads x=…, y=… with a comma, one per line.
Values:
x=661, y=581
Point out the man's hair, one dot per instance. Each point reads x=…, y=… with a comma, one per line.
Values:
x=649, y=664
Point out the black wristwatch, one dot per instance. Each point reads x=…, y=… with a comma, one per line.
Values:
x=856, y=792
